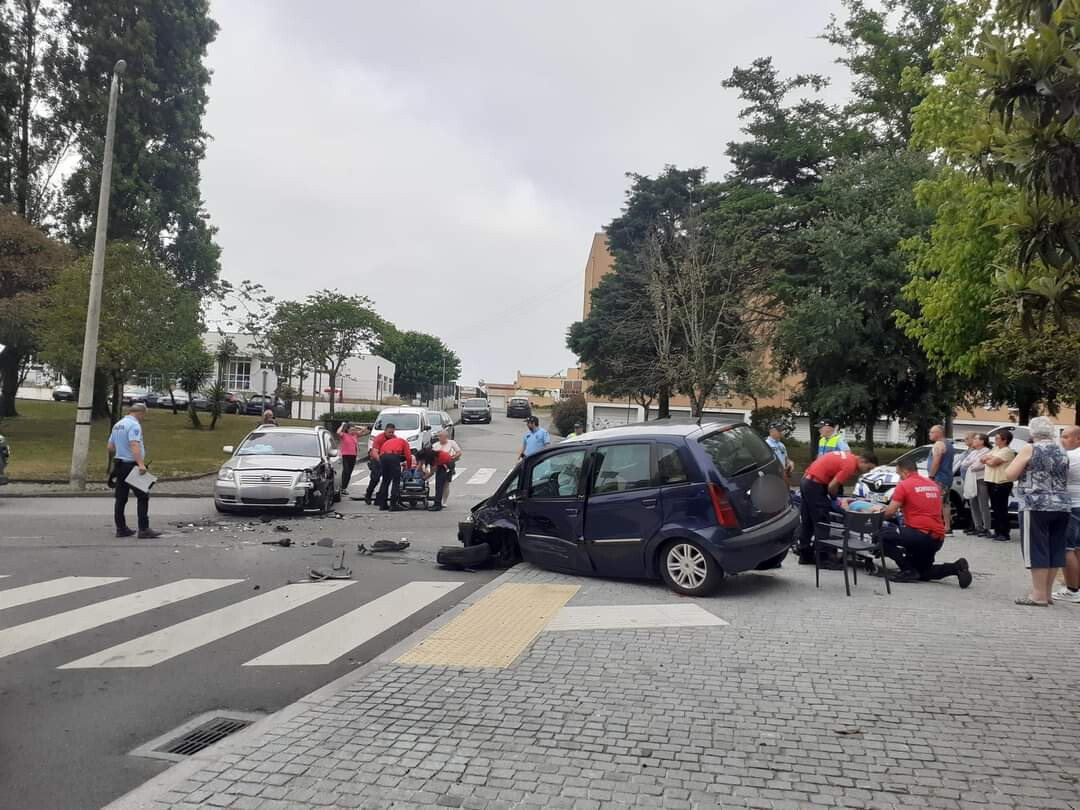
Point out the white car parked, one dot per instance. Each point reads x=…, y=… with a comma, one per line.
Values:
x=411, y=424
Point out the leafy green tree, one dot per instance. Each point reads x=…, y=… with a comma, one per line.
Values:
x=1029, y=70
x=160, y=140
x=145, y=317
x=33, y=142
x=194, y=366
x=888, y=47
x=339, y=327
x=421, y=361
x=29, y=263
x=860, y=365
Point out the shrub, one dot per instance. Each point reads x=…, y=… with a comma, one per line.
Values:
x=566, y=412
x=764, y=418
x=363, y=417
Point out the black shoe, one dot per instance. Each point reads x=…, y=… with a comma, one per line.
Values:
x=395, y=509
x=806, y=559
x=964, y=574
x=367, y=500
x=384, y=508
x=1002, y=538
x=124, y=532
x=435, y=508
x=148, y=534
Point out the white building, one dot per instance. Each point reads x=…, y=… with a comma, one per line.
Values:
x=369, y=378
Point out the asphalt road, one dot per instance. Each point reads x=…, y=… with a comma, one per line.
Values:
x=86, y=676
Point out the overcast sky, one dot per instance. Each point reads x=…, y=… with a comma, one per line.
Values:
x=452, y=160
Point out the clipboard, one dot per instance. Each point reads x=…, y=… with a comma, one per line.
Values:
x=142, y=482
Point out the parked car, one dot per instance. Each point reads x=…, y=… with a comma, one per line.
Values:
x=295, y=468
x=165, y=400
x=440, y=420
x=257, y=403
x=476, y=410
x=133, y=394
x=411, y=424
x=5, y=454
x=685, y=503
x=234, y=403
x=878, y=484
x=201, y=402
x=518, y=408
x=63, y=393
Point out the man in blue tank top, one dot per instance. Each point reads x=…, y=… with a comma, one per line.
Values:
x=941, y=471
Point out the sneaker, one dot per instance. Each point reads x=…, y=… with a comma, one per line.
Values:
x=964, y=574
x=148, y=534
x=124, y=532
x=1065, y=595
x=1001, y=538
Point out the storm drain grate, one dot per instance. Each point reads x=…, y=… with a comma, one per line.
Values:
x=203, y=736
x=196, y=735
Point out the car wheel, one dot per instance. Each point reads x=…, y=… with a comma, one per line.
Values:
x=689, y=569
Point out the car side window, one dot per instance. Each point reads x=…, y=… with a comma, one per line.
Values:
x=557, y=476
x=622, y=467
x=670, y=468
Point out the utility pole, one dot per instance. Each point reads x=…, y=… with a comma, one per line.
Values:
x=81, y=449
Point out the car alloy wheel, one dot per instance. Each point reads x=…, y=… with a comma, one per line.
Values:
x=688, y=569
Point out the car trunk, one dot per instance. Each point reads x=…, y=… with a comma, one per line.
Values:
x=750, y=472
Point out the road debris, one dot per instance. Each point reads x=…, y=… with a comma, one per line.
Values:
x=284, y=542
x=338, y=571
x=326, y=542
x=383, y=545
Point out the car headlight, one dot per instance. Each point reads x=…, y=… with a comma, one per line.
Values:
x=225, y=474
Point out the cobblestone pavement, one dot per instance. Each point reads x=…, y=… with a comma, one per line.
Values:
x=933, y=697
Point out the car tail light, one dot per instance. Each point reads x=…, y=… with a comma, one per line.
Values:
x=725, y=513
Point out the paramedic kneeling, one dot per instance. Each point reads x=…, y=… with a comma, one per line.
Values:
x=914, y=546
x=820, y=484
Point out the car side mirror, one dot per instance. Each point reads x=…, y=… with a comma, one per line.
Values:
x=334, y=452
x=514, y=495
x=227, y=449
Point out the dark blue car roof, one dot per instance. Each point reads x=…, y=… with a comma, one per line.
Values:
x=648, y=430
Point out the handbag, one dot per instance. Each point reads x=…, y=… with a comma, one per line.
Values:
x=971, y=485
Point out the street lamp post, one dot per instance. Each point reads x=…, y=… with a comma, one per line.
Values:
x=81, y=448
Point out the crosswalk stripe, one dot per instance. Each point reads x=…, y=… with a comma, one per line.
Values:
x=24, y=595
x=170, y=642
x=42, y=631
x=347, y=632
x=482, y=476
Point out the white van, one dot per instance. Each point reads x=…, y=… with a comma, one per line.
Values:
x=411, y=424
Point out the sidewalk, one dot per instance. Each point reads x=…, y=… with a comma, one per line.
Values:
x=933, y=697
x=201, y=487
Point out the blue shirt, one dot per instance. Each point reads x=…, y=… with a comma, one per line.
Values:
x=778, y=448
x=535, y=441
x=944, y=475
x=124, y=432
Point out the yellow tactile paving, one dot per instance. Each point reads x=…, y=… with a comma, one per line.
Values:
x=494, y=631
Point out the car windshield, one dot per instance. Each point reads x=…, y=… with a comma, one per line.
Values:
x=737, y=450
x=400, y=420
x=435, y=419
x=476, y=403
x=280, y=444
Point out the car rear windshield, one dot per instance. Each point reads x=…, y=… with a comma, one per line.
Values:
x=517, y=401
x=280, y=444
x=401, y=421
x=476, y=403
x=737, y=450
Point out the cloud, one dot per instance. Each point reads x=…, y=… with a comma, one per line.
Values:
x=452, y=160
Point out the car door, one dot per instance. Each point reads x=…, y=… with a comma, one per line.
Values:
x=622, y=508
x=550, y=512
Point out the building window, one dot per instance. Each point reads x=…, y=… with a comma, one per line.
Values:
x=238, y=377
x=571, y=387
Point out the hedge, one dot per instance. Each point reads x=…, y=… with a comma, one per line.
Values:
x=363, y=417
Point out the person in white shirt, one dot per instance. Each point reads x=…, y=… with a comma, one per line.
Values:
x=1070, y=440
x=447, y=445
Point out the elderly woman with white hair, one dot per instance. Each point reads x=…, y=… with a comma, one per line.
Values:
x=1042, y=470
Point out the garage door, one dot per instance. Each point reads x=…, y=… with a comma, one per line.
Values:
x=605, y=416
x=497, y=403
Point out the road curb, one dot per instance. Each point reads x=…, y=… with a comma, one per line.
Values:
x=106, y=494
x=147, y=794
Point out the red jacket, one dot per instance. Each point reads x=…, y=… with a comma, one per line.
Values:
x=395, y=447
x=840, y=467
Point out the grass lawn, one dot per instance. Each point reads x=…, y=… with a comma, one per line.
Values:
x=41, y=438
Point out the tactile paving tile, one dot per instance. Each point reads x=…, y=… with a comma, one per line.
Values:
x=630, y=617
x=494, y=631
